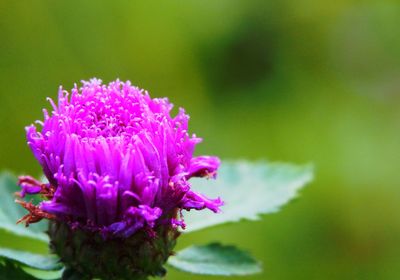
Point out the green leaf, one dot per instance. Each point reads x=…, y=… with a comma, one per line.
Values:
x=248, y=190
x=11, y=212
x=43, y=274
x=11, y=270
x=215, y=259
x=43, y=262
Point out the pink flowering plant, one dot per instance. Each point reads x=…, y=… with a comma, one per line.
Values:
x=120, y=187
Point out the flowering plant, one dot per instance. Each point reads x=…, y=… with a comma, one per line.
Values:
x=118, y=190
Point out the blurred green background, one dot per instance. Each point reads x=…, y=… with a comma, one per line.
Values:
x=300, y=81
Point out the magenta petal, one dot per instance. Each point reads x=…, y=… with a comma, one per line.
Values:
x=203, y=166
x=198, y=201
x=30, y=190
x=117, y=228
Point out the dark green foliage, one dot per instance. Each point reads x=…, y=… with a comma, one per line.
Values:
x=9, y=270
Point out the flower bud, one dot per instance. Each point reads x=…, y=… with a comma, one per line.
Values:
x=118, y=167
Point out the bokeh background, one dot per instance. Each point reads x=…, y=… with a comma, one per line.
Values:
x=300, y=81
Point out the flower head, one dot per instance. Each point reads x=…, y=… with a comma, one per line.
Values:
x=116, y=161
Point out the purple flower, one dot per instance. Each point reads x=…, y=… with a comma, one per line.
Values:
x=116, y=160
